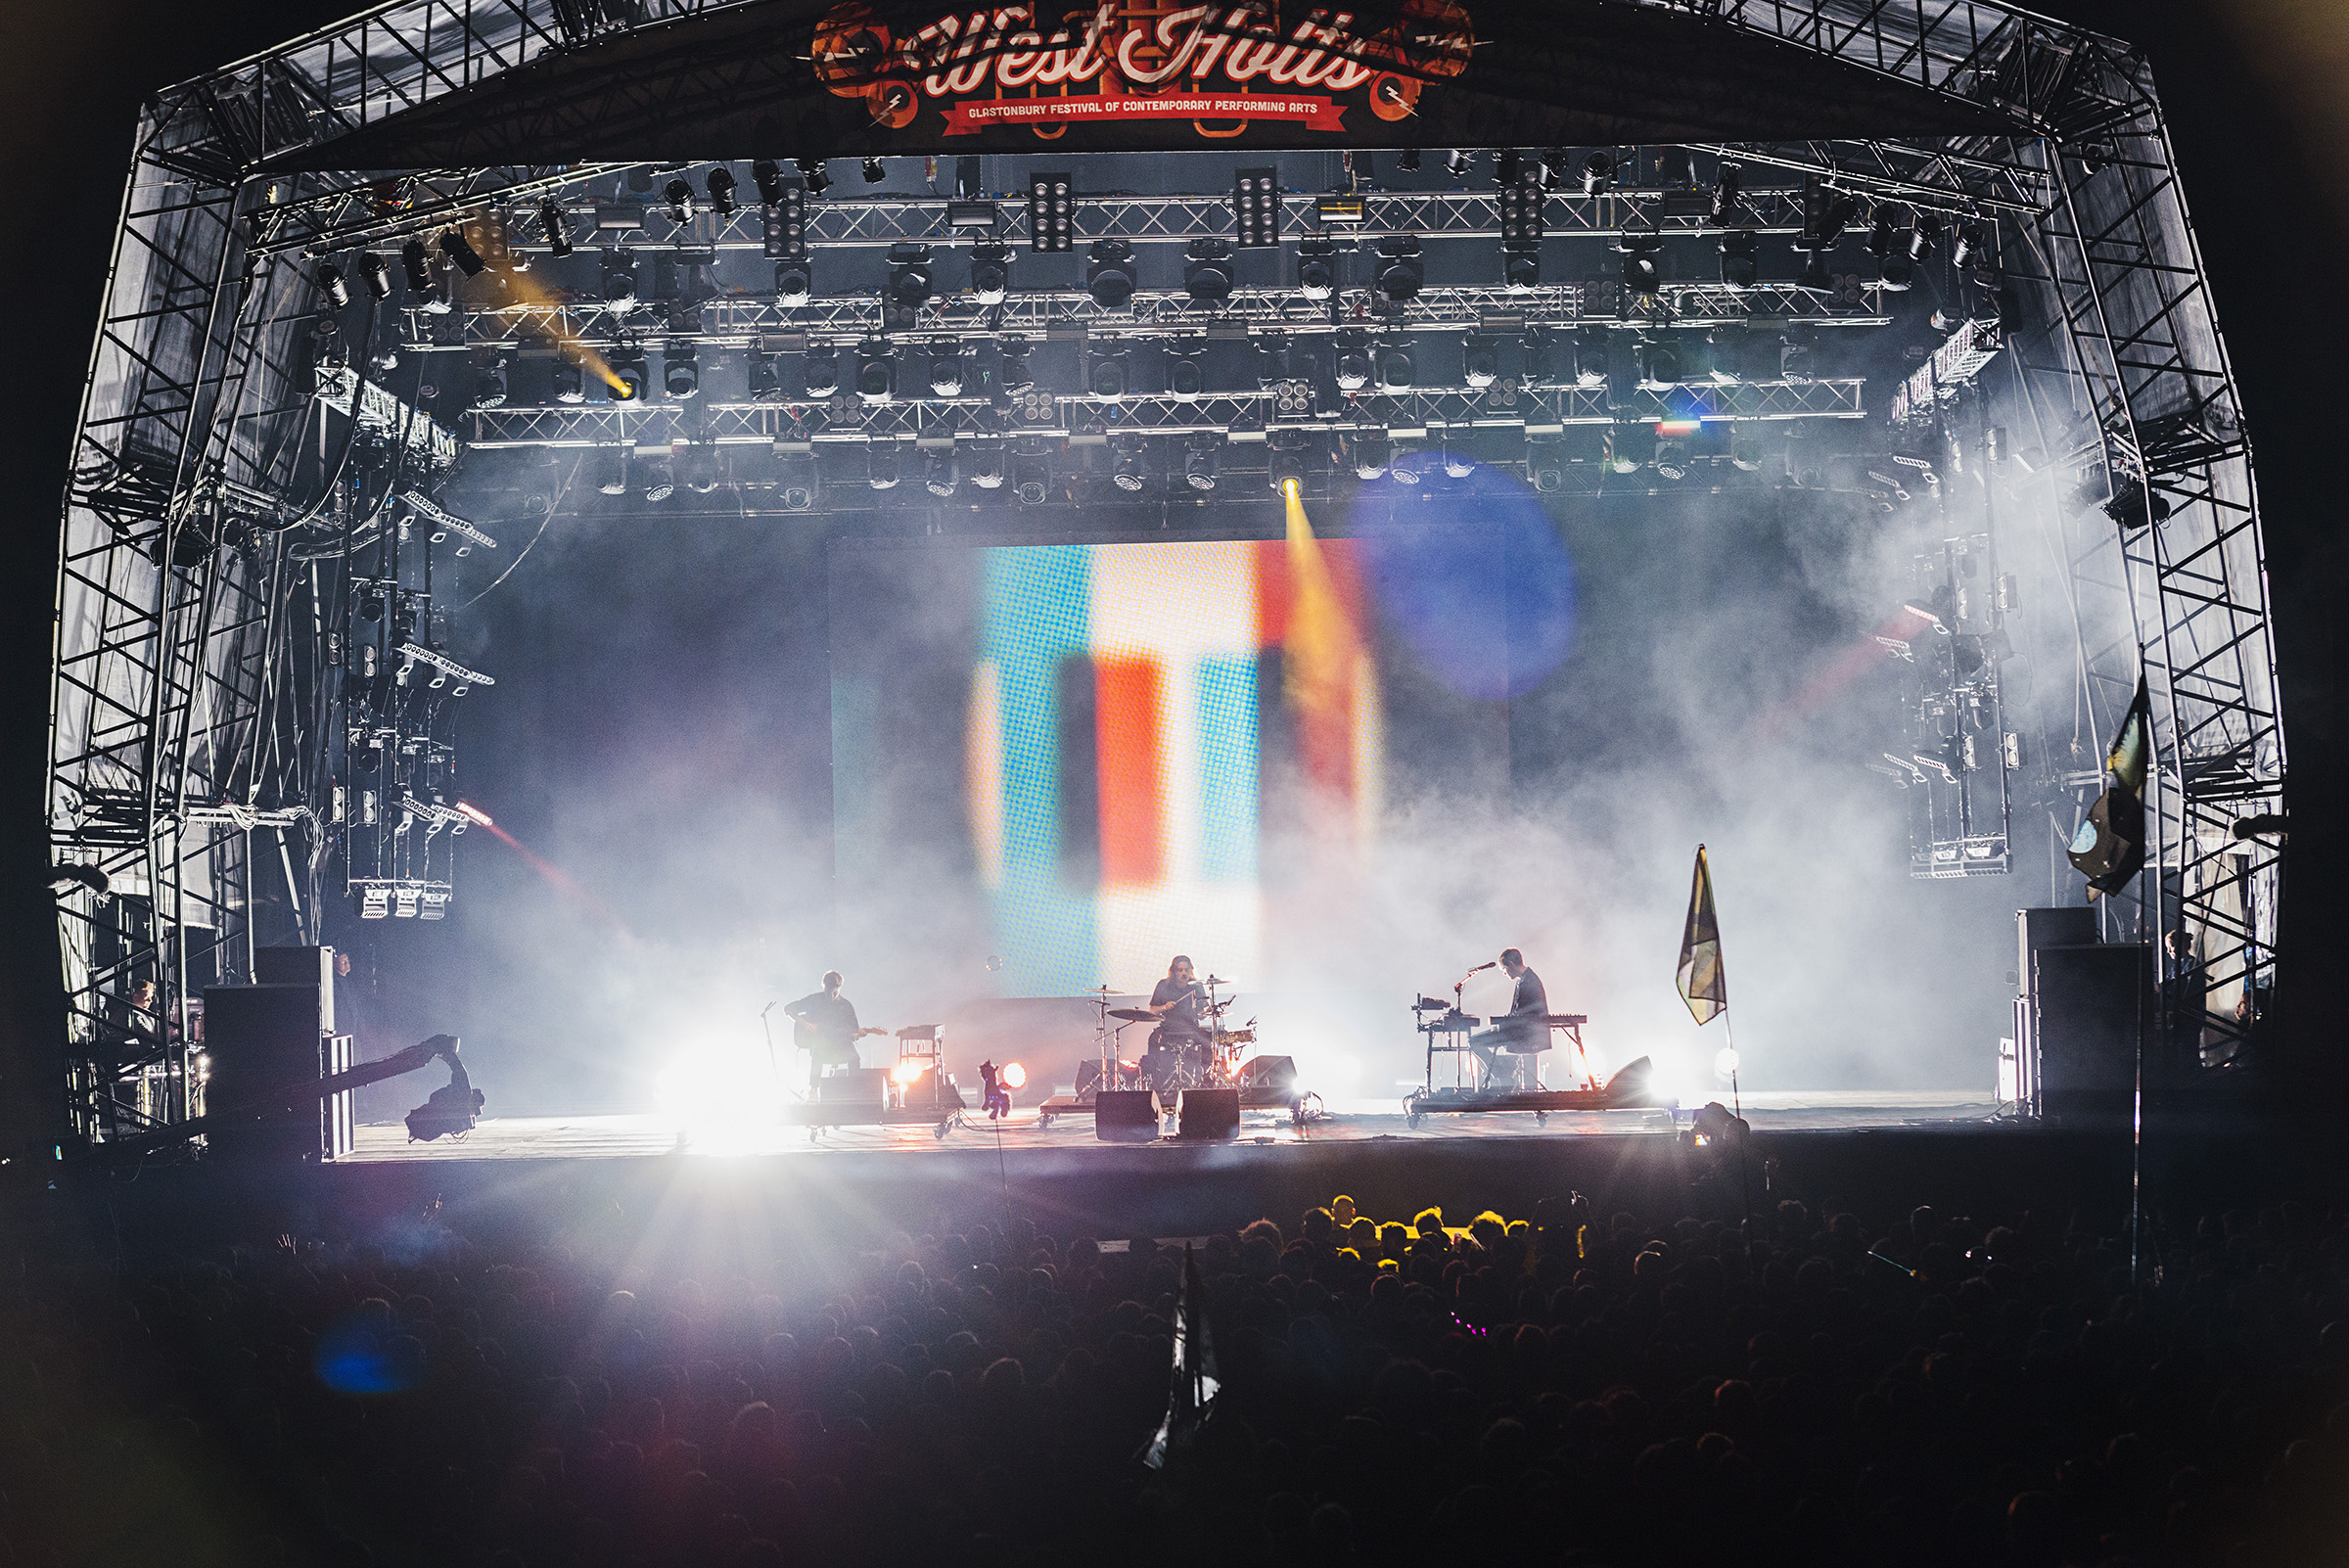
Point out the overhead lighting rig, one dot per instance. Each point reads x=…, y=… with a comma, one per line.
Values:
x=1521, y=229
x=991, y=271
x=1402, y=271
x=677, y=197
x=820, y=370
x=812, y=170
x=1207, y=271
x=1109, y=274
x=1317, y=268
x=946, y=369
x=876, y=371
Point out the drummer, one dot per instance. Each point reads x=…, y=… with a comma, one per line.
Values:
x=1175, y=1000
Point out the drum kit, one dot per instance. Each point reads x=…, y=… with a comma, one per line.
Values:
x=1175, y=1059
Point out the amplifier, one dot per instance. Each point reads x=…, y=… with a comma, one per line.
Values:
x=858, y=1085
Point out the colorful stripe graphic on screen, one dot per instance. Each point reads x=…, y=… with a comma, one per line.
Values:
x=1116, y=751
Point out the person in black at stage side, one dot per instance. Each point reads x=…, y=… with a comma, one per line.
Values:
x=1176, y=999
x=1523, y=1027
x=824, y=1025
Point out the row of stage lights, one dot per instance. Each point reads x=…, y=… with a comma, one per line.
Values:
x=1192, y=465
x=1112, y=277
x=1354, y=360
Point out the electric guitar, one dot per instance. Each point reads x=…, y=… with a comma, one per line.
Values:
x=808, y=1038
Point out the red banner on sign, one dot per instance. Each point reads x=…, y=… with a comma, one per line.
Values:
x=1318, y=113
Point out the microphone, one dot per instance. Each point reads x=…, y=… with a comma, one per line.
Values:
x=1481, y=968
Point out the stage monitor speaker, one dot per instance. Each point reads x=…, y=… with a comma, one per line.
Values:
x=2091, y=1003
x=1205, y=1114
x=1126, y=1116
x=858, y=1085
x=2071, y=926
x=1268, y=1081
x=263, y=1042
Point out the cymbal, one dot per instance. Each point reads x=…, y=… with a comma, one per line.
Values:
x=1217, y=979
x=1135, y=1015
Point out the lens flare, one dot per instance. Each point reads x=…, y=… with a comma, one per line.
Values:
x=1013, y=1075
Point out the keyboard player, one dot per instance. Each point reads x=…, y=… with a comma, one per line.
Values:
x=1523, y=1029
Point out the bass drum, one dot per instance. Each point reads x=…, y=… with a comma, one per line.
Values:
x=1174, y=1062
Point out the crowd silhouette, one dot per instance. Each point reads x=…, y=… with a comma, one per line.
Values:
x=1569, y=1386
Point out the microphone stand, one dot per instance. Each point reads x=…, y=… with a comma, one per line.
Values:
x=768, y=1030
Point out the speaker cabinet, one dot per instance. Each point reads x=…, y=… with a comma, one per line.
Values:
x=1126, y=1116
x=267, y=1045
x=1204, y=1115
x=300, y=966
x=1268, y=1081
x=858, y=1085
x=2090, y=1003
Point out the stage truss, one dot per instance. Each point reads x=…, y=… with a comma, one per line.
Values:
x=196, y=731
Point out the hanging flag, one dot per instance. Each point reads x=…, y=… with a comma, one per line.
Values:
x=2109, y=846
x=1703, y=985
x=1193, y=1373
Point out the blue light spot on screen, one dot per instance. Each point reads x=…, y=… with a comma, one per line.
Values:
x=1484, y=595
x=1227, y=778
x=1037, y=613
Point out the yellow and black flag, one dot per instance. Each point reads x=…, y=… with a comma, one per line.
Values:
x=2109, y=846
x=1703, y=985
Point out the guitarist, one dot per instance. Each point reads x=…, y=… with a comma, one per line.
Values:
x=824, y=1024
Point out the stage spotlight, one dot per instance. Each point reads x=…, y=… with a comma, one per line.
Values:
x=1317, y=268
x=1407, y=162
x=1351, y=367
x=1598, y=172
x=991, y=271
x=1051, y=213
x=1672, y=460
x=1269, y=357
x=938, y=477
x=1508, y=168
x=795, y=281
x=618, y=270
x=1128, y=476
x=874, y=172
x=1824, y=214
x=1401, y=271
x=659, y=478
x=489, y=384
x=1207, y=271
x=1400, y=467
x=612, y=470
x=1642, y=261
x=376, y=273
x=909, y=276
x=1745, y=452
x=570, y=381
x=876, y=373
x=628, y=370
x=701, y=469
x=1185, y=377
x=1199, y=464
x=1255, y=208
x=332, y=284
x=1556, y=169
x=1544, y=469
x=1286, y=472
x=1970, y=238
x=1728, y=182
x=1396, y=369
x=986, y=464
x=1740, y=265
x=1676, y=169
x=677, y=197
x=1109, y=275
x=1367, y=454
x=881, y=465
x=1480, y=361
x=768, y=175
x=720, y=185
x=1011, y=369
x=1521, y=270
x=1106, y=377
x=462, y=256
x=680, y=372
x=795, y=481
x=1455, y=162
x=1457, y=464
x=1794, y=358
x=1031, y=477
x=1815, y=276
x=812, y=170
x=1628, y=447
x=783, y=223
x=418, y=263
x=946, y=369
x=1897, y=252
x=820, y=370
x=555, y=224
x=1660, y=363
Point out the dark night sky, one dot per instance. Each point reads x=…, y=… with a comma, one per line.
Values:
x=70, y=86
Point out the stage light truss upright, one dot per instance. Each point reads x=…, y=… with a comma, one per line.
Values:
x=181, y=722
x=2116, y=265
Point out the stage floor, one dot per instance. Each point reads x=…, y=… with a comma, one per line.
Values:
x=577, y=1137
